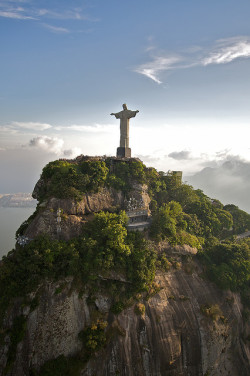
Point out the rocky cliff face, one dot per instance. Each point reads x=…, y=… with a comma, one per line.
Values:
x=172, y=337
x=75, y=213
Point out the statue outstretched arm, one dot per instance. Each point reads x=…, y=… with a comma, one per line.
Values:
x=132, y=113
x=117, y=115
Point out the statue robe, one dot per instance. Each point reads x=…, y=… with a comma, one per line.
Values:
x=124, y=117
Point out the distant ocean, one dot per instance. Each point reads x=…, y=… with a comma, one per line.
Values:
x=10, y=220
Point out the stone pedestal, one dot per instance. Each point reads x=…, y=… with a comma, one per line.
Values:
x=123, y=152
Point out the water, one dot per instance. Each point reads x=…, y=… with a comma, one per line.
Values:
x=10, y=220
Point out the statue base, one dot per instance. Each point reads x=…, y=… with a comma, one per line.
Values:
x=123, y=152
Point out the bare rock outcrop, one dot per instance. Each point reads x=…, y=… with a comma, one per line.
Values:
x=72, y=213
x=173, y=337
x=75, y=213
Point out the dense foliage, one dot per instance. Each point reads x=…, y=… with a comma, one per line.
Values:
x=63, y=179
x=241, y=219
x=228, y=265
x=67, y=180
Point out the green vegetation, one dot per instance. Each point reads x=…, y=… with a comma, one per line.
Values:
x=125, y=173
x=163, y=263
x=139, y=309
x=93, y=337
x=241, y=220
x=68, y=180
x=228, y=265
x=212, y=311
x=169, y=223
x=63, y=179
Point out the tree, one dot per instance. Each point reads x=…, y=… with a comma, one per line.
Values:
x=241, y=219
x=166, y=219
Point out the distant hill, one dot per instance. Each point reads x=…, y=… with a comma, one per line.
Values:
x=229, y=182
x=17, y=200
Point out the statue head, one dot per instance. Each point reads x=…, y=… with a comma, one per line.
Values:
x=124, y=106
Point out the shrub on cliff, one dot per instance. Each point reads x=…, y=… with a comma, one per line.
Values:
x=228, y=265
x=71, y=180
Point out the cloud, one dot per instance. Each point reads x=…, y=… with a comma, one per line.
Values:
x=56, y=29
x=54, y=145
x=222, y=153
x=28, y=11
x=96, y=128
x=31, y=125
x=49, y=144
x=37, y=126
x=72, y=153
x=154, y=68
x=65, y=14
x=221, y=52
x=148, y=159
x=12, y=9
x=15, y=14
x=228, y=50
x=179, y=155
x=7, y=129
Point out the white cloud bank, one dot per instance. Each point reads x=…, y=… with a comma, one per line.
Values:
x=50, y=144
x=30, y=125
x=95, y=128
x=54, y=145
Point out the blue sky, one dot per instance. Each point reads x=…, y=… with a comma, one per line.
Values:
x=66, y=65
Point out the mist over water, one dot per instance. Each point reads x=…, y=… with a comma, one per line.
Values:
x=10, y=220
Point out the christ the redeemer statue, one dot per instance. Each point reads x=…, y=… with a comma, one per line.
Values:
x=124, y=116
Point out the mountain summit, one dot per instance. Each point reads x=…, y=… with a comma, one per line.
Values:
x=123, y=270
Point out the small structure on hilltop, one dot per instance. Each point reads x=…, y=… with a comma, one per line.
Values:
x=175, y=175
x=137, y=208
x=124, y=151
